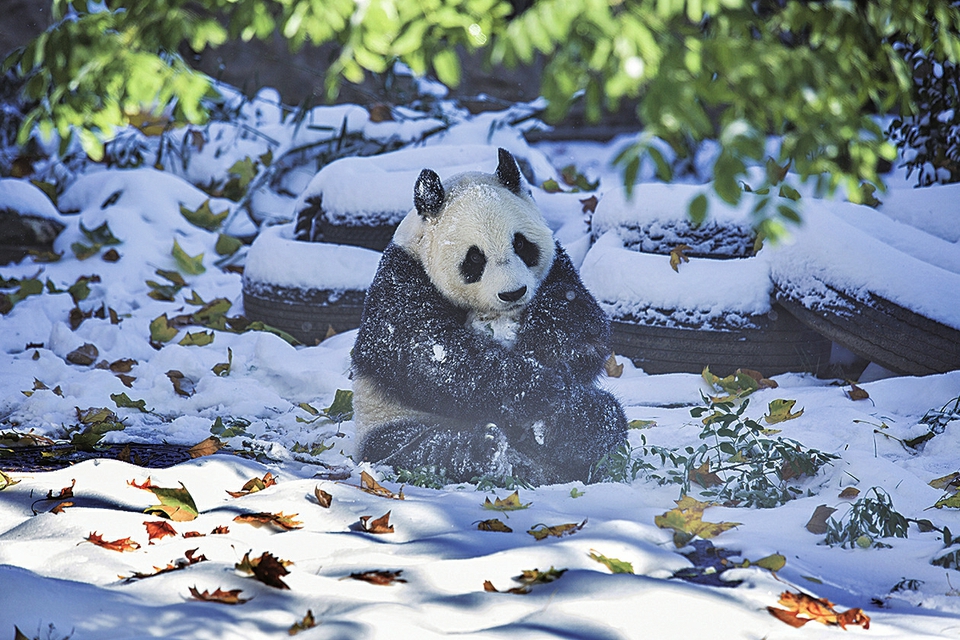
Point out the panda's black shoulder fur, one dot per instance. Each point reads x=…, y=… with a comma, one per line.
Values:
x=416, y=345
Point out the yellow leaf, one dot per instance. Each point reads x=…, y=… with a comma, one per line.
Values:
x=780, y=411
x=677, y=256
x=686, y=521
x=510, y=503
x=541, y=531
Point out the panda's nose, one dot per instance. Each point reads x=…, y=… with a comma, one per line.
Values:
x=512, y=296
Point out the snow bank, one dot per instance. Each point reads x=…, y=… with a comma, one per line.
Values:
x=22, y=197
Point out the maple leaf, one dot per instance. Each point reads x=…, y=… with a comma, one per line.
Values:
x=677, y=256
x=197, y=339
x=175, y=504
x=704, y=477
x=189, y=558
x=221, y=530
x=158, y=529
x=686, y=521
x=615, y=566
x=205, y=447
x=379, y=525
x=589, y=204
x=780, y=411
x=557, y=531
x=802, y=608
x=123, y=544
x=381, y=577
x=146, y=485
x=221, y=596
x=308, y=622
x=527, y=579
x=66, y=492
x=494, y=525
x=268, y=569
x=857, y=393
x=323, y=498
x=255, y=484
x=191, y=265
x=510, y=503
x=285, y=522
x=818, y=521
x=371, y=486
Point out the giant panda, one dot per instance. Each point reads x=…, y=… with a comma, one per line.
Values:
x=479, y=347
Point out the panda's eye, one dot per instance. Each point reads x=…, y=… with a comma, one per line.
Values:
x=473, y=264
x=526, y=250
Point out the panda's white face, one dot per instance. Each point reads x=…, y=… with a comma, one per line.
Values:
x=485, y=246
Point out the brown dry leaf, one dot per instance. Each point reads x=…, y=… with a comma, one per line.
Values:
x=589, y=204
x=948, y=482
x=324, y=498
x=383, y=578
x=704, y=477
x=308, y=622
x=369, y=485
x=379, y=525
x=221, y=596
x=281, y=520
x=764, y=383
x=60, y=507
x=205, y=447
x=849, y=493
x=802, y=608
x=146, y=485
x=193, y=534
x=66, y=492
x=158, y=529
x=612, y=368
x=380, y=112
x=189, y=559
x=818, y=521
x=182, y=385
x=221, y=530
x=488, y=586
x=677, y=256
x=857, y=393
x=255, y=484
x=268, y=569
x=494, y=525
x=123, y=544
x=541, y=531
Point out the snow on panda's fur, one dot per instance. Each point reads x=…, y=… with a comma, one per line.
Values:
x=479, y=347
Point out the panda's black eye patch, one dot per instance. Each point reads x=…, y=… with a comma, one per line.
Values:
x=528, y=251
x=473, y=264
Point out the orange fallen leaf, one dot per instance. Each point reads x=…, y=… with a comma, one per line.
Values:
x=193, y=534
x=205, y=447
x=146, y=485
x=377, y=577
x=220, y=530
x=221, y=596
x=857, y=393
x=188, y=559
x=158, y=529
x=802, y=608
x=371, y=486
x=379, y=525
x=255, y=484
x=323, y=498
x=60, y=507
x=281, y=520
x=66, y=492
x=123, y=544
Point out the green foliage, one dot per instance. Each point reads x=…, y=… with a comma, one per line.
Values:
x=811, y=73
x=937, y=421
x=429, y=477
x=868, y=519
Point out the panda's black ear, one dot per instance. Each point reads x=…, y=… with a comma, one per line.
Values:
x=428, y=194
x=508, y=173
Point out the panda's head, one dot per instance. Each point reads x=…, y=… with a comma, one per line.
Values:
x=480, y=237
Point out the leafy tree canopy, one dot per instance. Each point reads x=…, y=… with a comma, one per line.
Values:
x=812, y=73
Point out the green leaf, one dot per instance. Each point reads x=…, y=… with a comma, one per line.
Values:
x=187, y=264
x=698, y=209
x=161, y=331
x=447, y=65
x=175, y=504
x=342, y=407
x=227, y=245
x=615, y=566
x=774, y=562
x=952, y=502
x=100, y=236
x=204, y=217
x=197, y=339
x=124, y=402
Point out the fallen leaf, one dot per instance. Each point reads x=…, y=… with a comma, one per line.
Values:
x=615, y=566
x=223, y=368
x=818, y=521
x=857, y=393
x=123, y=544
x=641, y=424
x=541, y=531
x=60, y=507
x=494, y=525
x=947, y=482
x=158, y=529
x=527, y=579
x=952, y=502
x=849, y=493
x=612, y=368
x=380, y=525
x=774, y=562
x=175, y=504
x=203, y=216
x=182, y=385
x=254, y=485
x=146, y=485
x=589, y=204
x=762, y=382
x=197, y=339
x=268, y=569
x=206, y=447
x=704, y=477
x=280, y=520
x=221, y=596
x=678, y=256
x=123, y=365
x=780, y=411
x=66, y=492
x=191, y=265
x=188, y=559
x=510, y=503
x=161, y=331
x=383, y=578
x=737, y=385
x=221, y=530
x=802, y=608
x=83, y=355
x=123, y=401
x=371, y=486
x=308, y=622
x=686, y=521
x=323, y=498
x=380, y=112
x=193, y=534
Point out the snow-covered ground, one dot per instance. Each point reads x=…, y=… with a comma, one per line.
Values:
x=265, y=399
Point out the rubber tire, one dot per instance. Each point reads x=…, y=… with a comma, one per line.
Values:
x=312, y=226
x=307, y=315
x=884, y=333
x=779, y=344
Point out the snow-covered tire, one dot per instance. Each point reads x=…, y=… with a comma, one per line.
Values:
x=306, y=289
x=880, y=331
x=777, y=343
x=313, y=226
